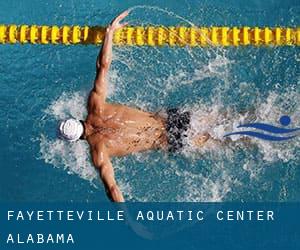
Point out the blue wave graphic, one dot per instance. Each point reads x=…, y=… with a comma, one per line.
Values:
x=269, y=128
x=262, y=136
x=284, y=121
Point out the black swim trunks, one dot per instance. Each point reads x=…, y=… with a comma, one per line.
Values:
x=177, y=125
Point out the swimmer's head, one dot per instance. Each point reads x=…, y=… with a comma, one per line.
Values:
x=70, y=130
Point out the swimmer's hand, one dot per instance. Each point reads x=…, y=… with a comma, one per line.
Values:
x=115, y=24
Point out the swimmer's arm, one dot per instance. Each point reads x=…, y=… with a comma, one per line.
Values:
x=102, y=65
x=103, y=164
x=105, y=56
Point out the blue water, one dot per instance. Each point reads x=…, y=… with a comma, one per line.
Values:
x=42, y=84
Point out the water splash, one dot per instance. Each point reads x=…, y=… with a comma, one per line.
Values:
x=74, y=158
x=192, y=185
x=215, y=85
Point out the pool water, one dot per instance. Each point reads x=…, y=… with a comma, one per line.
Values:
x=43, y=84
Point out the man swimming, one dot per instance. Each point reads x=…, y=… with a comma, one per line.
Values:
x=117, y=130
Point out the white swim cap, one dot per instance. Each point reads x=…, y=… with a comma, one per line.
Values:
x=70, y=130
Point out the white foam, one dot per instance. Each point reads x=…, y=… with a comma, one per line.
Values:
x=68, y=105
x=216, y=121
x=72, y=157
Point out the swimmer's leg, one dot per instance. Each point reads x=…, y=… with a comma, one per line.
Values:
x=200, y=140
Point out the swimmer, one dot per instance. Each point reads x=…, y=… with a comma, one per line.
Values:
x=114, y=130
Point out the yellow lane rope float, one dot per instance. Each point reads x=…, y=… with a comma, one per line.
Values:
x=152, y=36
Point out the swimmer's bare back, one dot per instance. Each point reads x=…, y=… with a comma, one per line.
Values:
x=113, y=129
x=123, y=130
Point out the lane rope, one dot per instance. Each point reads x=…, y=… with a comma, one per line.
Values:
x=152, y=35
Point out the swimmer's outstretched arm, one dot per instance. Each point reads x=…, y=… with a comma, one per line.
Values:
x=105, y=56
x=103, y=164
